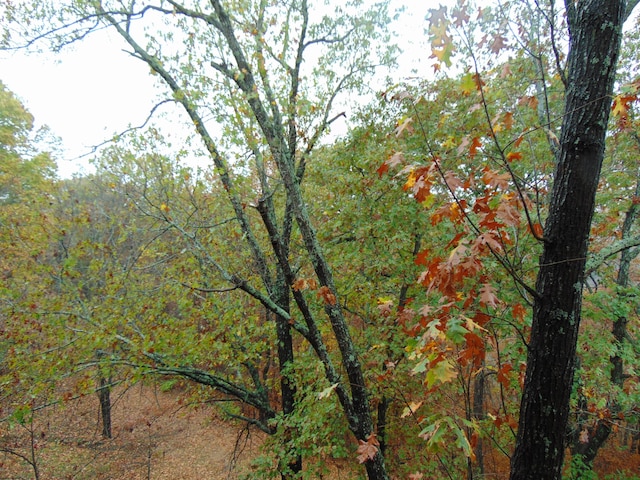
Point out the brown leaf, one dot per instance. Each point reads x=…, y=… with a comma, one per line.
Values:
x=368, y=450
x=326, y=295
x=488, y=296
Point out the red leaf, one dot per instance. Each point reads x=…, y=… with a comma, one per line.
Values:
x=474, y=350
x=518, y=311
x=384, y=168
x=422, y=258
x=502, y=374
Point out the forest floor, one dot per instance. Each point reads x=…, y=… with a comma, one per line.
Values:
x=157, y=437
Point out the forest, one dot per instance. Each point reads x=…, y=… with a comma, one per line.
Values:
x=451, y=279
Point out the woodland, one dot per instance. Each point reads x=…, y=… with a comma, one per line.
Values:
x=455, y=274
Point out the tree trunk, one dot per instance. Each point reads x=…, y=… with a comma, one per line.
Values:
x=599, y=434
x=479, y=414
x=595, y=28
x=104, y=395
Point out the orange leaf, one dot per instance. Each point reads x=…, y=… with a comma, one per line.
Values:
x=475, y=145
x=326, y=295
x=537, y=230
x=507, y=119
x=511, y=156
x=384, y=168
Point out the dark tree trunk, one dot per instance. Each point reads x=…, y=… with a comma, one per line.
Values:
x=595, y=28
x=599, y=434
x=104, y=395
x=287, y=388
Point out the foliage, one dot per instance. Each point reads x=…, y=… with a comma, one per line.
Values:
x=382, y=285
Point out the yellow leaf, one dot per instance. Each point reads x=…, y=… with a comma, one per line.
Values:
x=410, y=409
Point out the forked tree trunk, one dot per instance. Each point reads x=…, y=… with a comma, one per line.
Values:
x=595, y=27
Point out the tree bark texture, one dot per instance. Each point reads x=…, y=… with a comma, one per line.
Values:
x=595, y=33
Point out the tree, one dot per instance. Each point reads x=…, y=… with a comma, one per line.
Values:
x=26, y=181
x=270, y=76
x=489, y=208
x=596, y=31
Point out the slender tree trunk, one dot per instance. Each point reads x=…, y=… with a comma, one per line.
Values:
x=479, y=414
x=595, y=28
x=104, y=395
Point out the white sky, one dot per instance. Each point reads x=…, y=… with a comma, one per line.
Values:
x=94, y=89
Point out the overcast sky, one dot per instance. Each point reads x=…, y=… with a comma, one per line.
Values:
x=94, y=89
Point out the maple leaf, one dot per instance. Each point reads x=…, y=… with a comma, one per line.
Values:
x=416, y=476
x=474, y=350
x=463, y=145
x=621, y=104
x=507, y=119
x=518, y=311
x=443, y=54
x=495, y=179
x=467, y=84
x=303, y=284
x=460, y=16
x=442, y=372
x=437, y=15
x=396, y=159
x=385, y=306
x=508, y=213
x=384, y=168
x=368, y=449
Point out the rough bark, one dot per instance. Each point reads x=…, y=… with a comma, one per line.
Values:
x=595, y=28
